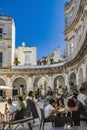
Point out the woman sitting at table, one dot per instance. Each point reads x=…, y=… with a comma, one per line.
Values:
x=60, y=106
x=60, y=103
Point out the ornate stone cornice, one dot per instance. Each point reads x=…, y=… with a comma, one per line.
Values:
x=68, y=5
x=75, y=21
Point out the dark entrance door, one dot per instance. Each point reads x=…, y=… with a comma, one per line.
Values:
x=0, y=58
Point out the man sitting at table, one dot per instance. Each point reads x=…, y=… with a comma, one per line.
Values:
x=49, y=109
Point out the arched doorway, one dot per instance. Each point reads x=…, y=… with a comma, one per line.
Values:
x=59, y=83
x=41, y=85
x=2, y=91
x=72, y=79
x=19, y=86
x=2, y=82
x=72, y=83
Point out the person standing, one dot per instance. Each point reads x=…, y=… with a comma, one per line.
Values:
x=82, y=97
x=79, y=105
x=29, y=97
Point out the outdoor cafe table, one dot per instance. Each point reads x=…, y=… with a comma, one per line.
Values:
x=72, y=128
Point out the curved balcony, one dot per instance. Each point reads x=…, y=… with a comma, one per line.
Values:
x=67, y=60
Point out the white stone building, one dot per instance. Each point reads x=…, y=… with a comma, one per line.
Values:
x=7, y=41
x=56, y=55
x=26, y=55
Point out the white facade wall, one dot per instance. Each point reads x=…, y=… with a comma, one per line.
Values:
x=56, y=54
x=6, y=40
x=26, y=55
x=13, y=42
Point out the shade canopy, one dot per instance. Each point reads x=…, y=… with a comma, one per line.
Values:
x=5, y=87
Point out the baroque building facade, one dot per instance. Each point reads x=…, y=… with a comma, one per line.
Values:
x=71, y=72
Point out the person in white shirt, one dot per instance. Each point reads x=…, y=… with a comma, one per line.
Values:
x=82, y=97
x=9, y=108
x=49, y=109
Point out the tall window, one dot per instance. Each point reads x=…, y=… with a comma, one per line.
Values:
x=0, y=58
x=0, y=33
x=26, y=59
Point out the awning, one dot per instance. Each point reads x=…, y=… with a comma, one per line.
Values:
x=5, y=87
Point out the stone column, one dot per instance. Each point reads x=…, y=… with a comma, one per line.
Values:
x=29, y=84
x=84, y=71
x=68, y=48
x=75, y=39
x=67, y=80
x=77, y=78
x=51, y=82
x=9, y=84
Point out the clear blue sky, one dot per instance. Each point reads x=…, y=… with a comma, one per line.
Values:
x=38, y=23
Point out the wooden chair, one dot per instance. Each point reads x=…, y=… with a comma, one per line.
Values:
x=43, y=120
x=14, y=122
x=31, y=107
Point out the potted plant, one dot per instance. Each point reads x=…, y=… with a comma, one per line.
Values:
x=16, y=61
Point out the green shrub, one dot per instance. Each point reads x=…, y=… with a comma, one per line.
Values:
x=22, y=95
x=84, y=85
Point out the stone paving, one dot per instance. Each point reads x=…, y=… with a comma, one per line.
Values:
x=47, y=126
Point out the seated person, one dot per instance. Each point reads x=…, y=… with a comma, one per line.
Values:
x=9, y=108
x=49, y=109
x=60, y=103
x=20, y=109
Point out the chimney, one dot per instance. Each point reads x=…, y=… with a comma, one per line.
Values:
x=23, y=43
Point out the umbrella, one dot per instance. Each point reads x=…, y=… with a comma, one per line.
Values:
x=5, y=87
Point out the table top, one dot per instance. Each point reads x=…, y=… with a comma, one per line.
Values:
x=72, y=128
